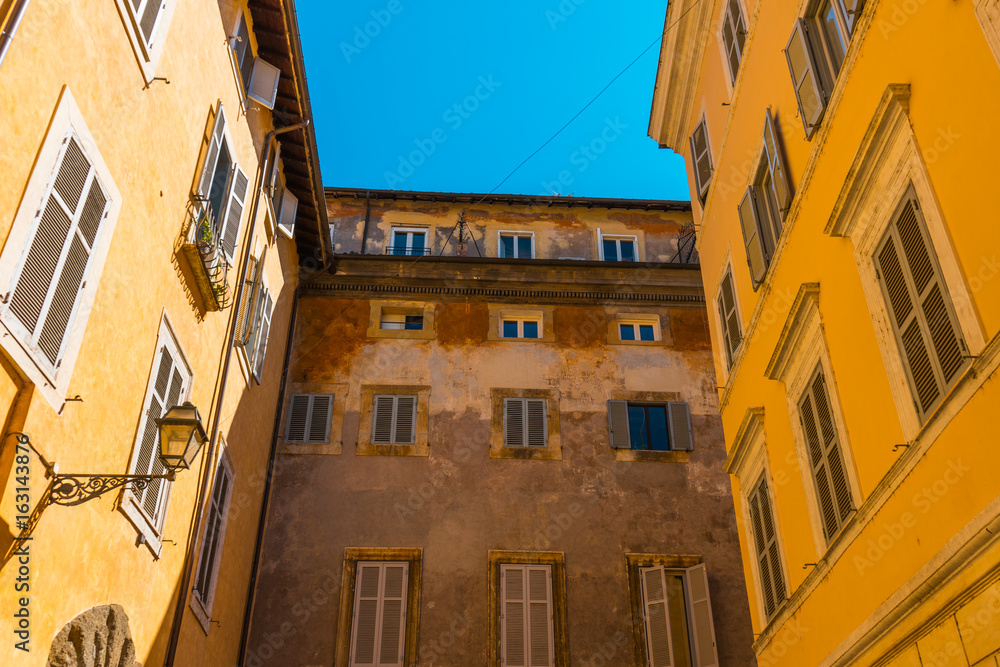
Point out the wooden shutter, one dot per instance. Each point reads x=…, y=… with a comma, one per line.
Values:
x=299, y=406
x=679, y=426
x=701, y=158
x=536, y=433
x=729, y=318
x=921, y=315
x=232, y=216
x=212, y=155
x=809, y=92
x=779, y=170
x=659, y=639
x=825, y=455
x=288, y=210
x=513, y=422
x=49, y=283
x=765, y=538
x=147, y=13
x=243, y=50
x=309, y=417
x=263, y=329
x=211, y=547
x=526, y=619
x=405, y=420
x=753, y=240
x=263, y=85
x=382, y=418
x=379, y=622
x=618, y=425
x=700, y=618
x=245, y=313
x=320, y=417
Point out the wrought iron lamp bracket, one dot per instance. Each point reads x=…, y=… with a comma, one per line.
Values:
x=74, y=489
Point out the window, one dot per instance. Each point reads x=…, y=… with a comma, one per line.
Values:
x=921, y=314
x=401, y=320
x=734, y=37
x=520, y=327
x=394, y=420
x=765, y=543
x=254, y=322
x=829, y=472
x=524, y=422
x=637, y=331
x=660, y=427
x=764, y=206
x=729, y=319
x=206, y=575
x=258, y=78
x=519, y=245
x=146, y=23
x=409, y=242
x=701, y=159
x=526, y=620
x=309, y=417
x=815, y=54
x=617, y=248
x=677, y=617
x=169, y=385
x=527, y=609
x=222, y=189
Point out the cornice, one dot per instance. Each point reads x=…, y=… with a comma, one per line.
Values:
x=750, y=429
x=805, y=305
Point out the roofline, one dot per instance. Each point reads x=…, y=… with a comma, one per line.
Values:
x=509, y=199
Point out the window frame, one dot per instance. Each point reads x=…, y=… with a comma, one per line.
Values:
x=638, y=320
x=618, y=238
x=525, y=422
x=520, y=321
x=423, y=308
x=552, y=451
x=220, y=135
x=258, y=66
x=721, y=40
x=701, y=189
x=988, y=14
x=202, y=607
x=409, y=231
x=312, y=404
x=420, y=446
x=52, y=381
x=729, y=357
x=515, y=234
x=147, y=54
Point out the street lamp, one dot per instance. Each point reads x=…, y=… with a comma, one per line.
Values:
x=181, y=437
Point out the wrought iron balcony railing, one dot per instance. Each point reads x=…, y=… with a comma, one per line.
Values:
x=203, y=248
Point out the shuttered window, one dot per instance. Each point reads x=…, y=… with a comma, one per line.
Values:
x=242, y=49
x=677, y=617
x=223, y=187
x=526, y=618
x=752, y=239
x=920, y=309
x=807, y=80
x=169, y=385
x=825, y=456
x=215, y=535
x=258, y=77
x=58, y=257
x=525, y=423
x=650, y=426
x=379, y=623
x=765, y=540
x=734, y=37
x=394, y=420
x=146, y=15
x=309, y=418
x=732, y=335
x=701, y=159
x=254, y=317
x=659, y=638
x=287, y=211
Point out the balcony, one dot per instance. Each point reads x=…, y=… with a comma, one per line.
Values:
x=413, y=252
x=202, y=247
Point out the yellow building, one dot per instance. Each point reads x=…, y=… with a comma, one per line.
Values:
x=156, y=168
x=840, y=156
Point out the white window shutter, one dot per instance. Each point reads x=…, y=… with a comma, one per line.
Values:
x=659, y=639
x=512, y=617
x=232, y=215
x=368, y=585
x=148, y=16
x=393, y=614
x=776, y=165
x=752, y=240
x=288, y=210
x=245, y=315
x=263, y=85
x=536, y=434
x=701, y=158
x=383, y=408
x=679, y=426
x=263, y=329
x=406, y=420
x=379, y=622
x=513, y=422
x=540, y=626
x=700, y=617
x=618, y=425
x=212, y=154
x=298, y=418
x=806, y=80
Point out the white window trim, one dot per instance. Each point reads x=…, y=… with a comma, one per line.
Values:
x=637, y=319
x=409, y=241
x=230, y=44
x=601, y=237
x=244, y=359
x=522, y=316
x=524, y=567
x=505, y=232
x=129, y=505
x=887, y=162
x=203, y=608
x=147, y=57
x=54, y=386
x=732, y=78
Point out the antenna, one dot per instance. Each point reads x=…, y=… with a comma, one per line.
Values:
x=463, y=246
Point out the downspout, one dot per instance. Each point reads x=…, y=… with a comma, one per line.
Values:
x=182, y=596
x=368, y=211
x=11, y=24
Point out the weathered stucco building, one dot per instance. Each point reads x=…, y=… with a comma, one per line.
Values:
x=500, y=444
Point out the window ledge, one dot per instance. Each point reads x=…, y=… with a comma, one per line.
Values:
x=643, y=455
x=527, y=453
x=371, y=449
x=203, y=615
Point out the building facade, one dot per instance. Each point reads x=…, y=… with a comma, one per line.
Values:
x=156, y=171
x=835, y=153
x=500, y=444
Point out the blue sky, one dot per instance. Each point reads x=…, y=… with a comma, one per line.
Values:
x=452, y=96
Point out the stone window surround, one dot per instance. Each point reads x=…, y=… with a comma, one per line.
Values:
x=633, y=563
x=334, y=447
x=421, y=444
x=641, y=455
x=425, y=308
x=553, y=452
x=544, y=314
x=618, y=316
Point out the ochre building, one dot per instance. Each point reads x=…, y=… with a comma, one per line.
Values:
x=839, y=156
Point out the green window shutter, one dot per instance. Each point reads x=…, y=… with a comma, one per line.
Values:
x=679, y=426
x=536, y=431
x=700, y=617
x=513, y=422
x=776, y=165
x=752, y=238
x=809, y=92
x=656, y=617
x=212, y=154
x=618, y=425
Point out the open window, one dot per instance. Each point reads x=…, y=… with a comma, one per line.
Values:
x=650, y=426
x=733, y=37
x=146, y=23
x=258, y=78
x=701, y=159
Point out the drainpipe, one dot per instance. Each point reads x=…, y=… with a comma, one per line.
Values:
x=368, y=210
x=12, y=23
x=182, y=596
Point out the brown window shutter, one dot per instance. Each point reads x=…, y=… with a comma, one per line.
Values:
x=752, y=239
x=806, y=80
x=729, y=318
x=679, y=426
x=656, y=616
x=700, y=617
x=777, y=166
x=701, y=158
x=618, y=425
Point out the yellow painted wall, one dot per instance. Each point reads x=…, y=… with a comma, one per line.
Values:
x=939, y=49
x=151, y=140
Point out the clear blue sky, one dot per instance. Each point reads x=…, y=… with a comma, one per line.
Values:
x=385, y=77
